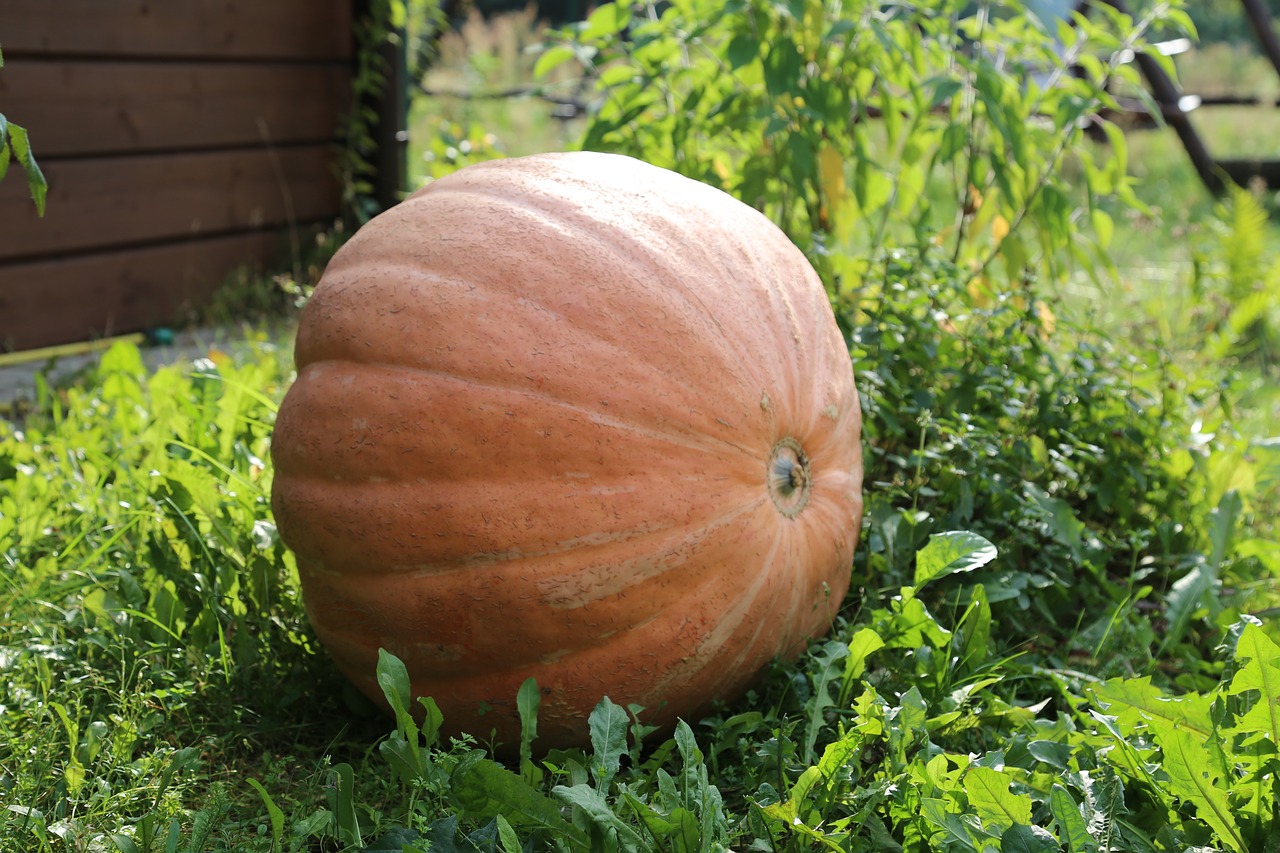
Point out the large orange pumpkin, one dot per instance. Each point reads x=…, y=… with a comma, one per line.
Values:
x=575, y=417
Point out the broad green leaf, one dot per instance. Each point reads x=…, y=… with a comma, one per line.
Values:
x=824, y=668
x=781, y=68
x=799, y=795
x=941, y=90
x=442, y=836
x=1192, y=780
x=973, y=632
x=952, y=552
x=913, y=627
x=432, y=720
x=687, y=744
x=554, y=57
x=607, y=20
x=802, y=159
x=1119, y=148
x=342, y=802
x=1222, y=526
x=990, y=797
x=1136, y=702
x=36, y=182
x=274, y=814
x=865, y=642
x=1182, y=21
x=507, y=835
x=1072, y=829
x=123, y=360
x=5, y=152
x=1061, y=519
x=485, y=789
x=74, y=771
x=1103, y=226
x=1126, y=756
x=617, y=74
x=669, y=795
x=528, y=700
x=597, y=810
x=1028, y=839
x=124, y=844
x=911, y=184
x=913, y=710
x=938, y=812
x=1195, y=590
x=393, y=678
x=74, y=774
x=695, y=788
x=399, y=838
x=840, y=752
x=686, y=834
x=657, y=825
x=406, y=759
x=953, y=142
x=784, y=812
x=1106, y=803
x=871, y=186
x=1260, y=671
x=608, y=724
x=743, y=49
x=1052, y=752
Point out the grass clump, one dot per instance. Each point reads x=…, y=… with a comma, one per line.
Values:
x=145, y=595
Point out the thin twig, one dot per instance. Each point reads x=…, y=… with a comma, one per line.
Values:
x=502, y=94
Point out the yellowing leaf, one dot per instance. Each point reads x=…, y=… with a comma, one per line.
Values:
x=999, y=228
x=981, y=292
x=974, y=202
x=831, y=176
x=1048, y=320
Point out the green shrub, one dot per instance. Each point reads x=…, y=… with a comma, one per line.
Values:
x=932, y=161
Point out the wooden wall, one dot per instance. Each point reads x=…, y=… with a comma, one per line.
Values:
x=180, y=139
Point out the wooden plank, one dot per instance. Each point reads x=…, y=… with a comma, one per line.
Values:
x=1243, y=172
x=278, y=29
x=59, y=301
x=109, y=201
x=118, y=107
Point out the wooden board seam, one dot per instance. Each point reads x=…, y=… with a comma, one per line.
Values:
x=159, y=243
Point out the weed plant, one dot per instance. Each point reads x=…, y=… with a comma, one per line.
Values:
x=1062, y=630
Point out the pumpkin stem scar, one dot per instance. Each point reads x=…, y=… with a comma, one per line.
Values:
x=788, y=475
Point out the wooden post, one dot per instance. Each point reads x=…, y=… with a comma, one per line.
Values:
x=1260, y=18
x=390, y=106
x=1167, y=96
x=392, y=131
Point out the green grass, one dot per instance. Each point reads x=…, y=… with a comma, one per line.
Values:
x=481, y=59
x=1097, y=680
x=165, y=692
